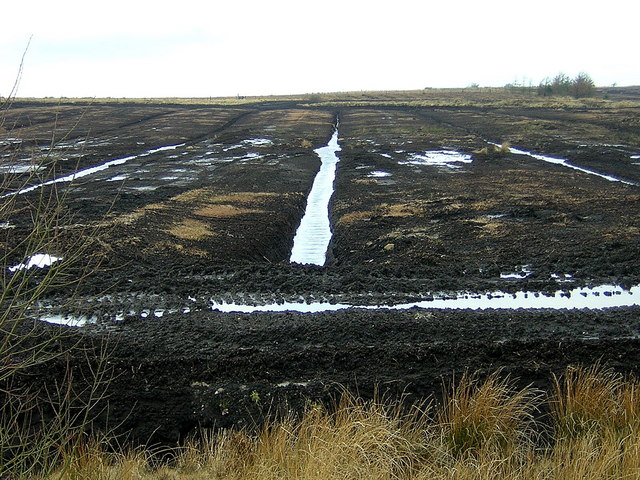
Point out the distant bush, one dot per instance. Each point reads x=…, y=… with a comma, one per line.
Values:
x=581, y=86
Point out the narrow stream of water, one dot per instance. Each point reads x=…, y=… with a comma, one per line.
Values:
x=312, y=238
x=565, y=163
x=91, y=170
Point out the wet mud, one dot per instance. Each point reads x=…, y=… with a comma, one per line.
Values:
x=213, y=220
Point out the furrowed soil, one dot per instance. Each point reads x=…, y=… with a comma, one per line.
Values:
x=206, y=199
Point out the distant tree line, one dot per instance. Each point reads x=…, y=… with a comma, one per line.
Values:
x=581, y=86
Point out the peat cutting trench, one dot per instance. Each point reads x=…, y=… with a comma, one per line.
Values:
x=435, y=250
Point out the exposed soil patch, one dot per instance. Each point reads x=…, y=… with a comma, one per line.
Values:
x=214, y=219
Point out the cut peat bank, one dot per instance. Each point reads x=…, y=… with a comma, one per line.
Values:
x=196, y=204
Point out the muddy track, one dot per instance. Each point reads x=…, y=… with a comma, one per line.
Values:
x=139, y=122
x=175, y=374
x=213, y=220
x=222, y=128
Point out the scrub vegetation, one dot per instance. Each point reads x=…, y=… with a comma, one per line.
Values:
x=208, y=196
x=480, y=429
x=579, y=87
x=508, y=96
x=40, y=421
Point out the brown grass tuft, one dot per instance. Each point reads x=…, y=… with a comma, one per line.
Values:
x=224, y=211
x=598, y=399
x=190, y=229
x=401, y=209
x=353, y=217
x=483, y=430
x=491, y=414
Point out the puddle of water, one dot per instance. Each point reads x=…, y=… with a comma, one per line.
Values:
x=39, y=260
x=563, y=162
x=232, y=147
x=523, y=272
x=438, y=158
x=18, y=169
x=67, y=320
x=92, y=170
x=289, y=383
x=10, y=141
x=118, y=178
x=379, y=174
x=258, y=141
x=562, y=278
x=604, y=296
x=314, y=233
x=251, y=156
x=300, y=307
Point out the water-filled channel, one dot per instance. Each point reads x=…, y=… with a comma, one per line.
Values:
x=603, y=296
x=313, y=236
x=563, y=162
x=600, y=297
x=91, y=170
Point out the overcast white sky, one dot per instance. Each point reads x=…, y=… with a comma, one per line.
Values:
x=186, y=48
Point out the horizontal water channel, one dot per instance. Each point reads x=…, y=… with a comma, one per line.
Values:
x=596, y=298
x=604, y=296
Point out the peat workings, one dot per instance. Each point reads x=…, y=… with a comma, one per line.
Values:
x=424, y=203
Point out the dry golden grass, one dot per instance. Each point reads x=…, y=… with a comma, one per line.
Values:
x=397, y=210
x=365, y=181
x=419, y=233
x=491, y=415
x=191, y=207
x=190, y=229
x=432, y=97
x=132, y=217
x=353, y=217
x=494, y=149
x=224, y=211
x=163, y=246
x=189, y=196
x=482, y=430
x=401, y=209
x=595, y=399
x=244, y=197
x=490, y=227
x=208, y=195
